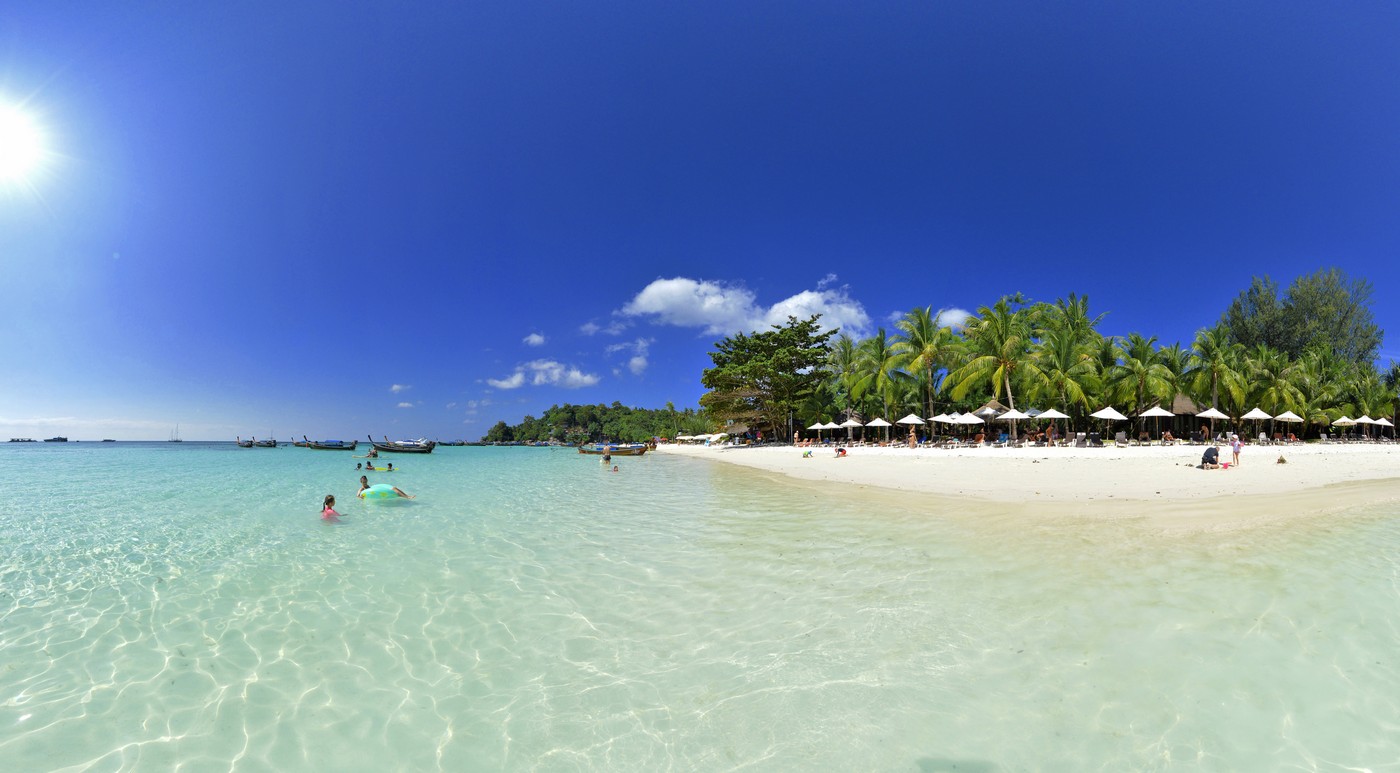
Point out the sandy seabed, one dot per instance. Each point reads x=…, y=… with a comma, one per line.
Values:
x=1158, y=482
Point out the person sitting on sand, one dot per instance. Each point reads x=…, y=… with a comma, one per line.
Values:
x=328, y=512
x=1210, y=460
x=807, y=454
x=364, y=484
x=840, y=452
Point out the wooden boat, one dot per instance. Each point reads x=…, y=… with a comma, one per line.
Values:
x=56, y=440
x=243, y=443
x=330, y=445
x=613, y=449
x=403, y=446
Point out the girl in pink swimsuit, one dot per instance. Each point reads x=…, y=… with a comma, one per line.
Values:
x=329, y=513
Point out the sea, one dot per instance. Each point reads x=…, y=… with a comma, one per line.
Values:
x=184, y=607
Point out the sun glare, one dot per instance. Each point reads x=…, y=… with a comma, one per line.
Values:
x=21, y=145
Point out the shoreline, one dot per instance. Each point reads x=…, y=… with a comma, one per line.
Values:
x=1159, y=483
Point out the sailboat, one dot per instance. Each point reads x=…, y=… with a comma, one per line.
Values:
x=175, y=436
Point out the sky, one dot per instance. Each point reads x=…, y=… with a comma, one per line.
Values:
x=415, y=220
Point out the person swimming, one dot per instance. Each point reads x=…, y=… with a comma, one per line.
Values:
x=364, y=484
x=328, y=512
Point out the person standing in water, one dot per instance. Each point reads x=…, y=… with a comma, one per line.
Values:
x=328, y=512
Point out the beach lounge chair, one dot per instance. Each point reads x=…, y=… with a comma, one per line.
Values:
x=1263, y=438
x=1081, y=440
x=1120, y=439
x=1095, y=440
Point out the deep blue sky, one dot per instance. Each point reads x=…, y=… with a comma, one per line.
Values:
x=337, y=219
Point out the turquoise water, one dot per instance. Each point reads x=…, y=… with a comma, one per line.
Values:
x=167, y=606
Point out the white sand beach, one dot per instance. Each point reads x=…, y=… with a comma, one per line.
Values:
x=1150, y=481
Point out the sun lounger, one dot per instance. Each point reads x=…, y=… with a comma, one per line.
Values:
x=1120, y=439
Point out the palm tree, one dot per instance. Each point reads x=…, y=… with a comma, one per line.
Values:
x=1140, y=377
x=925, y=346
x=1213, y=365
x=999, y=341
x=1066, y=373
x=879, y=367
x=844, y=362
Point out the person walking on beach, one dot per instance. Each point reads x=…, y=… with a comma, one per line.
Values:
x=1235, y=446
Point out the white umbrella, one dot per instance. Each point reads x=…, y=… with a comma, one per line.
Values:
x=1289, y=416
x=1156, y=412
x=1366, y=420
x=1052, y=415
x=1212, y=414
x=970, y=418
x=1344, y=422
x=1109, y=413
x=880, y=423
x=1013, y=416
x=850, y=424
x=910, y=419
x=1384, y=422
x=1256, y=415
x=941, y=418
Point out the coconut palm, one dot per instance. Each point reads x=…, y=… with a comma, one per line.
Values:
x=1140, y=378
x=998, y=352
x=1066, y=373
x=925, y=346
x=1214, y=365
x=879, y=367
x=843, y=361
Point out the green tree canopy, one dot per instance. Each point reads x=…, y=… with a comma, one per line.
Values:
x=760, y=378
x=1325, y=308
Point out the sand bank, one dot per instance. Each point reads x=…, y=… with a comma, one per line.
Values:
x=1135, y=481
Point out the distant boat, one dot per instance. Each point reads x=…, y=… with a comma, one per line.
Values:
x=56, y=440
x=330, y=445
x=175, y=436
x=614, y=449
x=243, y=443
x=419, y=446
x=108, y=440
x=264, y=443
x=23, y=440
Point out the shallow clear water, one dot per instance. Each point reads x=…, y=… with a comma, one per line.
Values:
x=165, y=606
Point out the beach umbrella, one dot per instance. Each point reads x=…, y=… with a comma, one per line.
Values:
x=1033, y=412
x=1156, y=412
x=910, y=419
x=1384, y=422
x=1256, y=415
x=1052, y=415
x=1366, y=420
x=1345, y=421
x=818, y=427
x=881, y=423
x=1108, y=414
x=1013, y=416
x=850, y=424
x=1212, y=414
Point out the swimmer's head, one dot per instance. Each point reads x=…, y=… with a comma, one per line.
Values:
x=330, y=500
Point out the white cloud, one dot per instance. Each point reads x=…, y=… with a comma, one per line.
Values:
x=405, y=405
x=639, y=348
x=400, y=388
x=513, y=381
x=545, y=373
x=723, y=309
x=534, y=339
x=954, y=317
x=589, y=328
x=450, y=406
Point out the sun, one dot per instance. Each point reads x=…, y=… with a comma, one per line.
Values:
x=21, y=145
